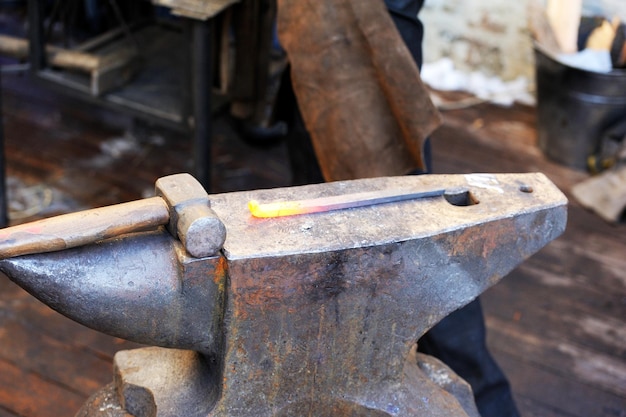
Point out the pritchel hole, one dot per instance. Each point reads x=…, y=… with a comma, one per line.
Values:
x=460, y=198
x=526, y=188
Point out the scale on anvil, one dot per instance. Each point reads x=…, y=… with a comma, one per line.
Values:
x=311, y=314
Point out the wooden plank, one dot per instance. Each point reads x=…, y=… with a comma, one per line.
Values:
x=560, y=356
x=575, y=290
x=589, y=263
x=107, y=71
x=541, y=28
x=28, y=395
x=75, y=164
x=59, y=57
x=489, y=152
x=564, y=16
x=586, y=230
x=77, y=370
x=570, y=260
x=552, y=391
x=528, y=407
x=477, y=139
x=63, y=115
x=559, y=318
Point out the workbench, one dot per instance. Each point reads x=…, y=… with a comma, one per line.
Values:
x=173, y=86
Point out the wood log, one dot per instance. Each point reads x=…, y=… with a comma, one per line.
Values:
x=58, y=57
x=564, y=16
x=106, y=71
x=605, y=194
x=601, y=38
x=541, y=28
x=196, y=9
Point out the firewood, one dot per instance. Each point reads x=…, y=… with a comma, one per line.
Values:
x=604, y=194
x=564, y=16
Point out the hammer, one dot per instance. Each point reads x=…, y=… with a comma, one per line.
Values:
x=182, y=205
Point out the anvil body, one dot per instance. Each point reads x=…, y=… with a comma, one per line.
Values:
x=308, y=315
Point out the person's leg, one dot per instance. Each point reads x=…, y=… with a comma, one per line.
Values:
x=404, y=15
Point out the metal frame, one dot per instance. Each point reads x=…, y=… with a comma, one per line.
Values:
x=194, y=109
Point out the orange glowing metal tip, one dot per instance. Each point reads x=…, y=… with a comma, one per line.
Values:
x=340, y=202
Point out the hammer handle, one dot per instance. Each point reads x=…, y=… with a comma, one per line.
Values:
x=81, y=228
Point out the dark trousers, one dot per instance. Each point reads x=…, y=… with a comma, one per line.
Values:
x=459, y=340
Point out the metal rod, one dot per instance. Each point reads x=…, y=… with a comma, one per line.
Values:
x=36, y=35
x=201, y=80
x=340, y=202
x=125, y=27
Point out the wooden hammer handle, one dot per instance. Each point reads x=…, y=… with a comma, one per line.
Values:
x=81, y=228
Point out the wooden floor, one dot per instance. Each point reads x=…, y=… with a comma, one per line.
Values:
x=557, y=324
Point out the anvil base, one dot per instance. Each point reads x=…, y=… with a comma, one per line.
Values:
x=174, y=382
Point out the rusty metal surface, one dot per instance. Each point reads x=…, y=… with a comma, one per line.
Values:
x=315, y=314
x=175, y=377
x=363, y=285
x=499, y=198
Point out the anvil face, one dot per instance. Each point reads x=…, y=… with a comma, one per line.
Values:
x=335, y=301
x=315, y=314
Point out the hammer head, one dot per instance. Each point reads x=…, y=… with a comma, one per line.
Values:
x=191, y=218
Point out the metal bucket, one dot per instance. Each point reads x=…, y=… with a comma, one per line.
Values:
x=574, y=108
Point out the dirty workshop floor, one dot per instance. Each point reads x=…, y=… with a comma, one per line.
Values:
x=557, y=324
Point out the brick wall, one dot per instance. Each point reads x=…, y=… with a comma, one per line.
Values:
x=490, y=35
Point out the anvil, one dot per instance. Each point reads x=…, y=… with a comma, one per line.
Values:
x=305, y=315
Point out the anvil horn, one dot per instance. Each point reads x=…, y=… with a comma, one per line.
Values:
x=130, y=287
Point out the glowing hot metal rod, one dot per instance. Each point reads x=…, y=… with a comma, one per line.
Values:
x=340, y=202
